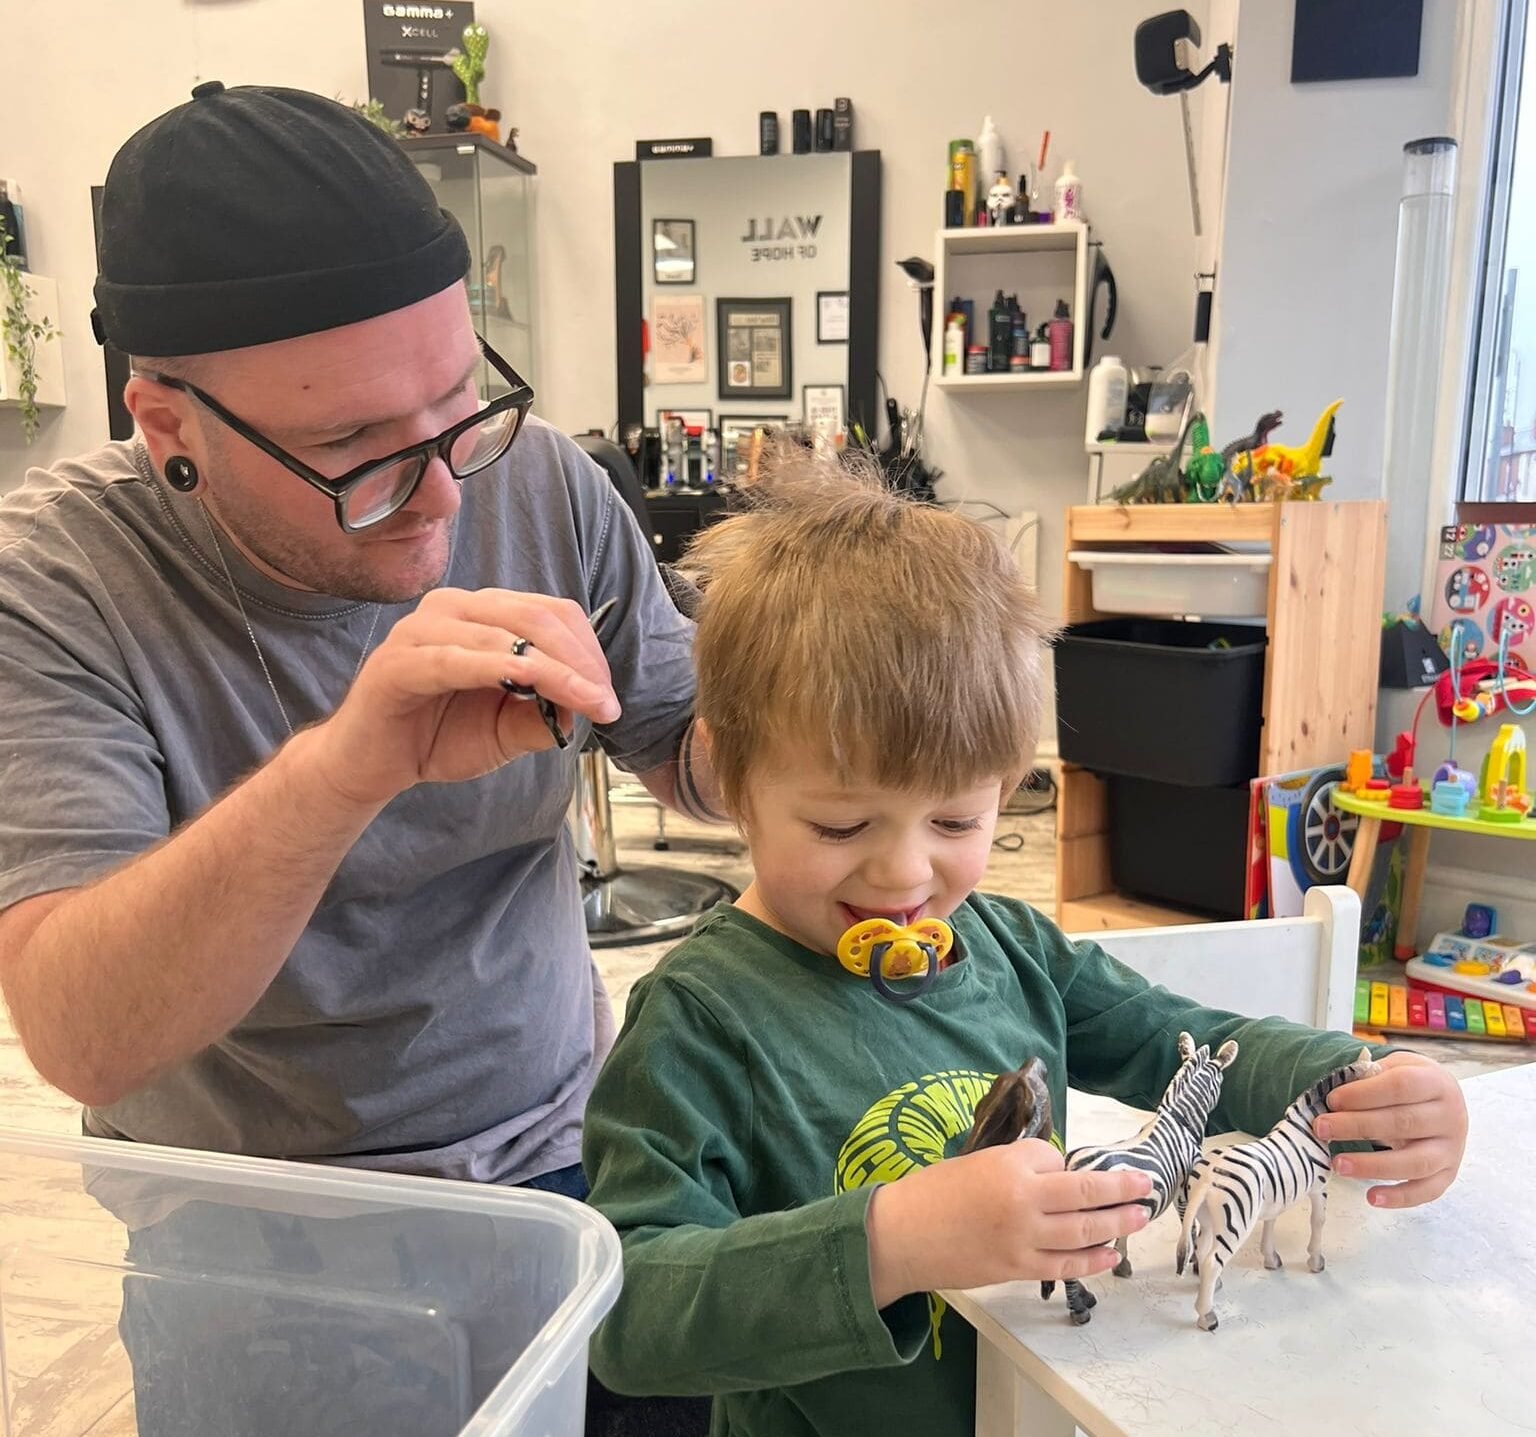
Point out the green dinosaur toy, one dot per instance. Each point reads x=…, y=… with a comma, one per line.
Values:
x=469, y=63
x=1203, y=472
x=1162, y=481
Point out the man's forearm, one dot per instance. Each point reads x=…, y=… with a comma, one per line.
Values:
x=150, y=965
x=698, y=796
x=687, y=783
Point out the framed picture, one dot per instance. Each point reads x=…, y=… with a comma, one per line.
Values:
x=673, y=257
x=825, y=408
x=736, y=431
x=692, y=418
x=677, y=339
x=753, y=338
x=832, y=316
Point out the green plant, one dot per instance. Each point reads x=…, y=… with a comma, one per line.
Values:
x=22, y=333
x=373, y=111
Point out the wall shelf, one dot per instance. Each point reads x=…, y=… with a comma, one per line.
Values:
x=1029, y=379
x=1013, y=239
x=1042, y=263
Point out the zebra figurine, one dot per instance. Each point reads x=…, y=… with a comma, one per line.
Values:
x=1255, y=1182
x=1167, y=1147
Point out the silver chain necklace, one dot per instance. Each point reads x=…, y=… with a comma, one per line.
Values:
x=261, y=658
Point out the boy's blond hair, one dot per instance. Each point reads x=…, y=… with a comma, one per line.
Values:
x=896, y=641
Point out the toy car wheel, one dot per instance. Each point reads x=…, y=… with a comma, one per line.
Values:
x=1324, y=840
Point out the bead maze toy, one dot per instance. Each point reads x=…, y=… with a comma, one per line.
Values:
x=1465, y=693
x=1496, y=803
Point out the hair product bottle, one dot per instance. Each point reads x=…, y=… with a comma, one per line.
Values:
x=1061, y=337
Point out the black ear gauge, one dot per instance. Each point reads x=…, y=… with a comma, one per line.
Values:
x=181, y=473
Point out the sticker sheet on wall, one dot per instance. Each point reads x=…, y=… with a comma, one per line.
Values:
x=1485, y=586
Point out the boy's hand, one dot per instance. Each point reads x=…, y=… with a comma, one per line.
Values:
x=1415, y=1108
x=995, y=1215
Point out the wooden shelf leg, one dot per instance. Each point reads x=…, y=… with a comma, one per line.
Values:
x=1407, y=945
x=1367, y=838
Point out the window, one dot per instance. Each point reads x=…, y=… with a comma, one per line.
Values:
x=1500, y=455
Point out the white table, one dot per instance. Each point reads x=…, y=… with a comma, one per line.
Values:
x=1422, y=1325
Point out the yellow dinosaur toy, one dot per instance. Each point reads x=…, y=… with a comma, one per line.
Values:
x=1290, y=471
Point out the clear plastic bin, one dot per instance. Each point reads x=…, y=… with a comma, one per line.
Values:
x=152, y=1291
x=1214, y=586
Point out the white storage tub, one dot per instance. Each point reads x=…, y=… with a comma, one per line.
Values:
x=1214, y=586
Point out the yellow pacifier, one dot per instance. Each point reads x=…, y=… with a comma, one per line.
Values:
x=878, y=949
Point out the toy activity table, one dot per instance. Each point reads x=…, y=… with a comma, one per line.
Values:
x=1420, y=823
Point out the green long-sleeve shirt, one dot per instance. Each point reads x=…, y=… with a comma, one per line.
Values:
x=758, y=1091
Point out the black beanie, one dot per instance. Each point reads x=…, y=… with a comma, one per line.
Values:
x=256, y=214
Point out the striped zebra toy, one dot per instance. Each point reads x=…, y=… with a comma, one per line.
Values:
x=1167, y=1147
x=1018, y=1105
x=1255, y=1182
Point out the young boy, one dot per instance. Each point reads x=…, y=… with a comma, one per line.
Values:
x=768, y=1133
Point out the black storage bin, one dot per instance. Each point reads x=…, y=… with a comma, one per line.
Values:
x=1184, y=846
x=1151, y=698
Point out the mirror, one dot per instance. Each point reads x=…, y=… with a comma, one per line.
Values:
x=748, y=290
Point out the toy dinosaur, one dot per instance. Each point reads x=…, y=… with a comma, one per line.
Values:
x=1231, y=489
x=1162, y=481
x=1287, y=471
x=1203, y=472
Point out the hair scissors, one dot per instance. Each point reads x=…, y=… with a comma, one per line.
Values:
x=547, y=710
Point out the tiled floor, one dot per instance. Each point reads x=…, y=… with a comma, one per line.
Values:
x=63, y=1371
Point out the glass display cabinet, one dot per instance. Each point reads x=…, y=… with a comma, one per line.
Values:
x=489, y=189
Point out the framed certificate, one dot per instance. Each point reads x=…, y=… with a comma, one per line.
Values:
x=825, y=409
x=832, y=316
x=753, y=337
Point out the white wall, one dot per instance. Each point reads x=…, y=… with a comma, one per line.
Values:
x=129, y=63
x=583, y=80
x=1305, y=303
x=1314, y=176
x=1306, y=253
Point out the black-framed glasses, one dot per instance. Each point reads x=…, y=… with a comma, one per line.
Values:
x=371, y=492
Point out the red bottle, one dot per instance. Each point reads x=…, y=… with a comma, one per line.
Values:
x=1060, y=332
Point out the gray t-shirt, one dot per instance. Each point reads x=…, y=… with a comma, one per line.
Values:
x=441, y=1013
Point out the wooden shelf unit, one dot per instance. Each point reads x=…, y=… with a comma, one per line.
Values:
x=1323, y=622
